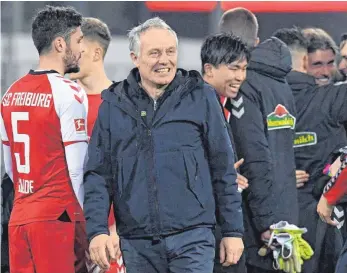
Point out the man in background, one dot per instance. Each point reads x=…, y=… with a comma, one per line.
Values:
x=322, y=51
x=322, y=110
x=92, y=77
x=343, y=55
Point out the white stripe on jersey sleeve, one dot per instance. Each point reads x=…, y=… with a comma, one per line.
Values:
x=71, y=104
x=75, y=154
x=3, y=133
x=8, y=161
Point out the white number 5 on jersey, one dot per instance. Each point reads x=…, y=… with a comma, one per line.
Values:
x=21, y=138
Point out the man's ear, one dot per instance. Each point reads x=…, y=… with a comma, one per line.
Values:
x=305, y=63
x=134, y=58
x=208, y=68
x=257, y=41
x=98, y=54
x=59, y=44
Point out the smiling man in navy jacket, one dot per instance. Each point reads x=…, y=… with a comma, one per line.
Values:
x=161, y=152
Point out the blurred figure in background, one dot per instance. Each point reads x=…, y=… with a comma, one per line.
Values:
x=322, y=51
x=343, y=55
x=92, y=77
x=322, y=110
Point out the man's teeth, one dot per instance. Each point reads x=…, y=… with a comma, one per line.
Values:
x=162, y=70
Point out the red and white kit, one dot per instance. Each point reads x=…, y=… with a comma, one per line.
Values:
x=44, y=136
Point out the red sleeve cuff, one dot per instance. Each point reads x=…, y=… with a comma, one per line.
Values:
x=67, y=143
x=338, y=189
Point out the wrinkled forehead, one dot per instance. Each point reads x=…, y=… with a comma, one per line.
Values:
x=157, y=38
x=322, y=56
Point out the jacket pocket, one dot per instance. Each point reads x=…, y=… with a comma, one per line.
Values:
x=195, y=181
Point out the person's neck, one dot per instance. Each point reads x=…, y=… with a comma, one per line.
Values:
x=209, y=81
x=96, y=82
x=154, y=91
x=49, y=62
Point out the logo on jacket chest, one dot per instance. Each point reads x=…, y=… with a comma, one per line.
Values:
x=280, y=119
x=305, y=139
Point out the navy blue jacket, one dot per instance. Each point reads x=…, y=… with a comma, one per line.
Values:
x=161, y=169
x=262, y=123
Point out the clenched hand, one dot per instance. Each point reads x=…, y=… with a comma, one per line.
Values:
x=103, y=248
x=231, y=249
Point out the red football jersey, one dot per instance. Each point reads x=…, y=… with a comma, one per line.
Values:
x=94, y=101
x=42, y=113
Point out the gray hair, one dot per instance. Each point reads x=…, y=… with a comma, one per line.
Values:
x=134, y=34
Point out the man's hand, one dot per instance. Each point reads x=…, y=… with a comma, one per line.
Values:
x=265, y=236
x=115, y=240
x=301, y=178
x=102, y=248
x=241, y=181
x=231, y=249
x=324, y=211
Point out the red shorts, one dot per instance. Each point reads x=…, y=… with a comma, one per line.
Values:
x=43, y=247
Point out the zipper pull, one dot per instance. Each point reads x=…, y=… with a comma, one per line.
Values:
x=155, y=105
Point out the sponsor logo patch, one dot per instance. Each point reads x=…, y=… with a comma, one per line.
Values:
x=280, y=119
x=80, y=126
x=305, y=139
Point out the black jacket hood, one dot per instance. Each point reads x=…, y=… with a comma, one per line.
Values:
x=299, y=81
x=271, y=58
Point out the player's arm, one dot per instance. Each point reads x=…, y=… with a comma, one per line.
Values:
x=98, y=176
x=248, y=129
x=337, y=186
x=72, y=114
x=6, y=149
x=223, y=174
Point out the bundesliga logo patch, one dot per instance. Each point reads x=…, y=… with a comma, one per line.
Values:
x=280, y=119
x=80, y=126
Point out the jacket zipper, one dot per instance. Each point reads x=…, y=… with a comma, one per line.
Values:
x=155, y=105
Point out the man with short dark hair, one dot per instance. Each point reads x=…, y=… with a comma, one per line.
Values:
x=320, y=133
x=322, y=52
x=43, y=131
x=92, y=77
x=224, y=59
x=263, y=122
x=242, y=23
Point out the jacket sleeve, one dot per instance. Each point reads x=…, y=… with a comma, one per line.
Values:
x=223, y=174
x=98, y=174
x=338, y=96
x=251, y=143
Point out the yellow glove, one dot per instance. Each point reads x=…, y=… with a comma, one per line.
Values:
x=301, y=250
